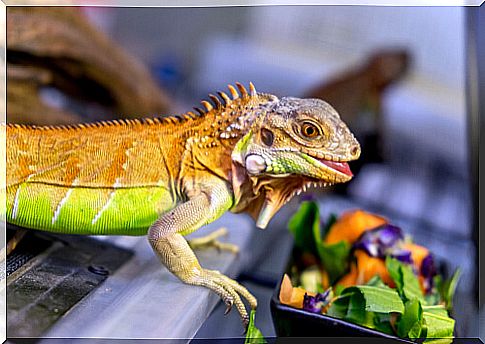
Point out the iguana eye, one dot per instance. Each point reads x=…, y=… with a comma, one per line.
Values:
x=267, y=137
x=309, y=130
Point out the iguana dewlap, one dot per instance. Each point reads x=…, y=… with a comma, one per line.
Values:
x=167, y=177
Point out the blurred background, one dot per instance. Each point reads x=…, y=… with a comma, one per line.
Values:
x=396, y=75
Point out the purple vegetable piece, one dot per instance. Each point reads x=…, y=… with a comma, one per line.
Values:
x=428, y=271
x=389, y=235
x=368, y=243
x=310, y=304
x=428, y=268
x=380, y=241
x=315, y=303
x=402, y=255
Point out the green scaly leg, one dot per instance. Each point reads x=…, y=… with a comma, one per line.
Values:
x=166, y=238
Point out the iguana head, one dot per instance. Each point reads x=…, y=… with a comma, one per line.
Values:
x=292, y=144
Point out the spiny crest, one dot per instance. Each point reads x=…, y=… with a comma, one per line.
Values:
x=99, y=124
x=174, y=119
x=224, y=100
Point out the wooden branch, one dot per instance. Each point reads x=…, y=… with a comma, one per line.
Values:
x=57, y=47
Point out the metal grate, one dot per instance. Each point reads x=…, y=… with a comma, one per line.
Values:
x=57, y=281
x=29, y=247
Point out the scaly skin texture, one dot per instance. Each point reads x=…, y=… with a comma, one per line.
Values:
x=168, y=177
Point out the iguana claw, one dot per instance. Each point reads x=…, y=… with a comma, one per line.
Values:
x=229, y=290
x=228, y=308
x=245, y=322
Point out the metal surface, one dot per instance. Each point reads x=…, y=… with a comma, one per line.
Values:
x=42, y=291
x=475, y=75
x=29, y=247
x=143, y=300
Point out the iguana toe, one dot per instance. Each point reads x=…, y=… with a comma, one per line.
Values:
x=231, y=292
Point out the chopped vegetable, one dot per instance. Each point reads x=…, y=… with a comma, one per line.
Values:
x=367, y=305
x=305, y=226
x=406, y=281
x=292, y=296
x=306, y=229
x=253, y=334
x=384, y=241
x=411, y=322
x=369, y=267
x=311, y=279
x=317, y=303
x=334, y=258
x=437, y=322
x=350, y=226
x=449, y=289
x=375, y=276
x=350, y=278
x=428, y=271
x=379, y=241
x=418, y=253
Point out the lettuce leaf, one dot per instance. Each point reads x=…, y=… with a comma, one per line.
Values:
x=369, y=306
x=411, y=322
x=407, y=283
x=334, y=258
x=305, y=227
x=437, y=322
x=253, y=335
x=449, y=288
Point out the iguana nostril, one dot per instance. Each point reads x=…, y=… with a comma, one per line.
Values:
x=355, y=151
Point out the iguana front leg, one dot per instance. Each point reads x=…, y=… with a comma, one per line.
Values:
x=165, y=236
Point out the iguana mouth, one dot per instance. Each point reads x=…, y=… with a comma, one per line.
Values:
x=341, y=167
x=338, y=166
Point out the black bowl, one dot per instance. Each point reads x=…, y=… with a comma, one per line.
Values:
x=294, y=322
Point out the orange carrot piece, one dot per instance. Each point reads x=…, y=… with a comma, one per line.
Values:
x=290, y=295
x=418, y=253
x=351, y=225
x=325, y=279
x=350, y=278
x=369, y=267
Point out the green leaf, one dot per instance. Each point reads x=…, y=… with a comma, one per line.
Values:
x=305, y=227
x=253, y=335
x=438, y=325
x=383, y=323
x=411, y=322
x=439, y=341
x=357, y=313
x=393, y=267
x=449, y=288
x=367, y=306
x=434, y=297
x=378, y=299
x=376, y=281
x=436, y=309
x=407, y=283
x=339, y=306
x=334, y=258
x=337, y=290
x=411, y=288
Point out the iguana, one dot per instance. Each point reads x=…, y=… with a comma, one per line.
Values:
x=167, y=177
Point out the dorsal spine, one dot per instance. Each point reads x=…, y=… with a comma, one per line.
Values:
x=217, y=104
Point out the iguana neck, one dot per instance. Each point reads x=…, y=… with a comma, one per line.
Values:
x=212, y=135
